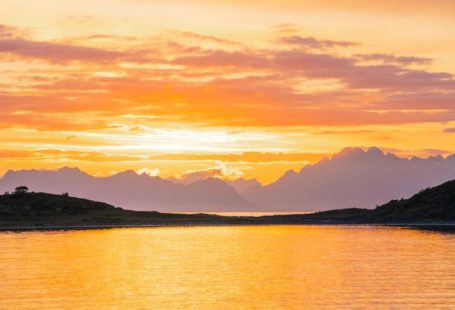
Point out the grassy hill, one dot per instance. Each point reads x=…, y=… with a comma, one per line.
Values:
x=431, y=205
x=46, y=210
x=30, y=205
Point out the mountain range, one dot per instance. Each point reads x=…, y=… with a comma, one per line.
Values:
x=351, y=178
x=131, y=190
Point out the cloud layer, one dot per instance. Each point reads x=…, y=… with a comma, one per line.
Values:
x=224, y=84
x=173, y=96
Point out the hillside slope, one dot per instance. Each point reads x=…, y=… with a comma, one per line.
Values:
x=432, y=205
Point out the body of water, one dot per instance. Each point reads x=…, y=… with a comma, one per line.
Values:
x=235, y=267
x=243, y=213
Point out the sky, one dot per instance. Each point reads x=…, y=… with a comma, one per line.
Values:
x=244, y=88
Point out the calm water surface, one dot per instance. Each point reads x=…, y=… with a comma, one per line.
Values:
x=265, y=267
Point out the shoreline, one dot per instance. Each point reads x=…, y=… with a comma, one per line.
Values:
x=44, y=228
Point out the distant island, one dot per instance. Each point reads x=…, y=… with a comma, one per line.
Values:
x=24, y=210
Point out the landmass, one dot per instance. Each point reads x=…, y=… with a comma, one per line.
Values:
x=23, y=210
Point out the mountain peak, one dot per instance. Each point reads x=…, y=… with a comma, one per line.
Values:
x=9, y=172
x=126, y=173
x=357, y=153
x=290, y=174
x=210, y=181
x=349, y=152
x=375, y=151
x=69, y=170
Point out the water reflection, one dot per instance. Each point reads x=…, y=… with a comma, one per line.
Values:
x=228, y=268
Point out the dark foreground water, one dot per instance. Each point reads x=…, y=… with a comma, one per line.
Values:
x=262, y=267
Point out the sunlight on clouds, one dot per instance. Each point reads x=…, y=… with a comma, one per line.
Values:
x=151, y=172
x=246, y=89
x=177, y=140
x=219, y=170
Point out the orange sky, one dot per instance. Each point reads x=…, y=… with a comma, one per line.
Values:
x=252, y=88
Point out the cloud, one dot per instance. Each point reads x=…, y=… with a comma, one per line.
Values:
x=8, y=154
x=319, y=65
x=294, y=63
x=388, y=58
x=47, y=122
x=13, y=42
x=225, y=164
x=8, y=32
x=313, y=43
x=219, y=171
x=223, y=58
x=151, y=172
x=235, y=86
x=208, y=38
x=420, y=153
x=435, y=101
x=250, y=101
x=285, y=28
x=247, y=157
x=57, y=155
x=449, y=130
x=58, y=53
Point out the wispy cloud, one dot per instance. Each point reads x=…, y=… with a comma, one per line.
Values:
x=393, y=59
x=313, y=43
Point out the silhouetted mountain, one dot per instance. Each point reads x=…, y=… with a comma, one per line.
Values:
x=352, y=178
x=239, y=184
x=132, y=191
x=41, y=210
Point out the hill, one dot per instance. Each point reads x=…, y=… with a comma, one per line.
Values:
x=30, y=210
x=432, y=205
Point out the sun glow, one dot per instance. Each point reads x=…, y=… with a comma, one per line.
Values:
x=131, y=88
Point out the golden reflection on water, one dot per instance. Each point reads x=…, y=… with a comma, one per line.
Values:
x=255, y=267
